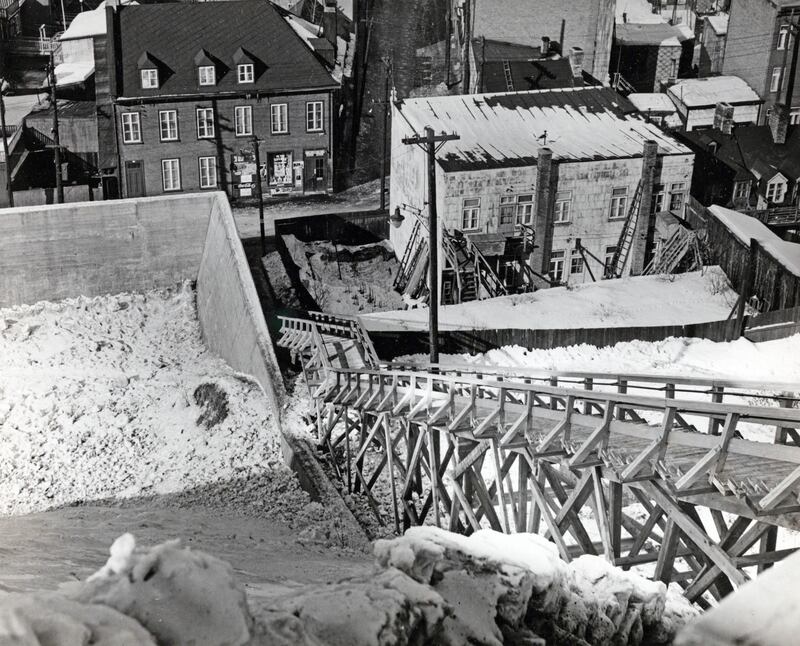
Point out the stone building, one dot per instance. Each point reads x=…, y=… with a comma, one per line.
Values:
x=563, y=164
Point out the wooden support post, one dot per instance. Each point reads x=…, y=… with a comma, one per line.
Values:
x=666, y=555
x=717, y=393
x=615, y=516
x=747, y=288
x=600, y=515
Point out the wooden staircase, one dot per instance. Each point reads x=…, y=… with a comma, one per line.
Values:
x=673, y=251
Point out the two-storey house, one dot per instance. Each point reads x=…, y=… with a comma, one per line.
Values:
x=186, y=92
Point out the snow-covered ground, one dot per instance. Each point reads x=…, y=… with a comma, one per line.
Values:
x=770, y=361
x=117, y=396
x=694, y=297
x=359, y=281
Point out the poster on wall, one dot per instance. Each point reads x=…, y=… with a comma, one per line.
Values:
x=279, y=166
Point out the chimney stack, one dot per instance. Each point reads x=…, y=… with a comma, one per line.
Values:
x=779, y=122
x=576, y=61
x=543, y=218
x=545, y=47
x=723, y=117
x=642, y=243
x=329, y=20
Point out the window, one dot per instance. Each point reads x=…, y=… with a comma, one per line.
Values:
x=783, y=37
x=314, y=116
x=171, y=174
x=676, y=195
x=741, y=190
x=775, y=191
x=149, y=78
x=168, y=125
x=205, y=123
x=609, y=258
x=131, y=128
x=557, y=266
x=563, y=206
x=508, y=208
x=524, y=209
x=619, y=200
x=279, y=122
x=208, y=172
x=206, y=75
x=244, y=72
x=576, y=263
x=657, y=203
x=777, y=79
x=243, y=120
x=319, y=168
x=794, y=117
x=470, y=214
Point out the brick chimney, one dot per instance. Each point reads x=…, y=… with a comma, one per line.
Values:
x=779, y=122
x=543, y=218
x=329, y=22
x=723, y=117
x=545, y=47
x=576, y=61
x=645, y=223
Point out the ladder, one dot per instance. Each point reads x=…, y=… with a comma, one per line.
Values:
x=620, y=257
x=408, y=260
x=509, y=78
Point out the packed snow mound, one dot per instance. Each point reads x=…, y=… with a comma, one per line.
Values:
x=429, y=588
x=117, y=396
x=681, y=299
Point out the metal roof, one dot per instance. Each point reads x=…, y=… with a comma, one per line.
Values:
x=707, y=92
x=508, y=129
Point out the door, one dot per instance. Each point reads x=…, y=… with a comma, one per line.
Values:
x=316, y=170
x=134, y=178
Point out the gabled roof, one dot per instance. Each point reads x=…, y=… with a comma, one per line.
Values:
x=750, y=151
x=707, y=92
x=719, y=23
x=543, y=74
x=507, y=130
x=173, y=33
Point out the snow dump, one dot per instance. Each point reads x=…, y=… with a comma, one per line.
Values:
x=681, y=299
x=341, y=279
x=429, y=587
x=117, y=396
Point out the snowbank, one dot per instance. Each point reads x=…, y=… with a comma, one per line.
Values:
x=694, y=297
x=429, y=587
x=681, y=357
x=117, y=396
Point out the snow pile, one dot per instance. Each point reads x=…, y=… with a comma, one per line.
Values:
x=117, y=396
x=347, y=279
x=694, y=297
x=679, y=357
x=509, y=588
x=429, y=587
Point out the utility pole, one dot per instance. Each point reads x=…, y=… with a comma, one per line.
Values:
x=10, y=192
x=387, y=62
x=260, y=197
x=51, y=76
x=428, y=144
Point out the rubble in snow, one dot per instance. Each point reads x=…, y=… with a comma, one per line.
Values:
x=429, y=587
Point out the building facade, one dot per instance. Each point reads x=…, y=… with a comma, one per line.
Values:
x=697, y=101
x=569, y=165
x=185, y=114
x=761, y=49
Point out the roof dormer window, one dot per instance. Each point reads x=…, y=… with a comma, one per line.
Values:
x=206, y=75
x=149, y=78
x=245, y=72
x=776, y=189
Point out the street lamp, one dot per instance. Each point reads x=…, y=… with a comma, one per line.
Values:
x=396, y=218
x=3, y=88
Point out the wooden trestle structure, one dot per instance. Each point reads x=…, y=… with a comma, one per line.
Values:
x=647, y=471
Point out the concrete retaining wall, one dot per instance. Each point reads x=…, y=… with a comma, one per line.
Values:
x=93, y=248
x=228, y=306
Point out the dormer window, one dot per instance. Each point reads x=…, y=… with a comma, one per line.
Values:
x=776, y=189
x=149, y=78
x=245, y=72
x=206, y=75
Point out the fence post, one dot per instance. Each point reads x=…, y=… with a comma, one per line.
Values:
x=747, y=287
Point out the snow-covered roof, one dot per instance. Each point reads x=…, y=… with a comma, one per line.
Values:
x=636, y=11
x=652, y=102
x=507, y=129
x=312, y=37
x=746, y=227
x=660, y=34
x=719, y=23
x=89, y=23
x=18, y=106
x=73, y=73
x=707, y=92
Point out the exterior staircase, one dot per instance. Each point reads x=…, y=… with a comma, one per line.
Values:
x=673, y=251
